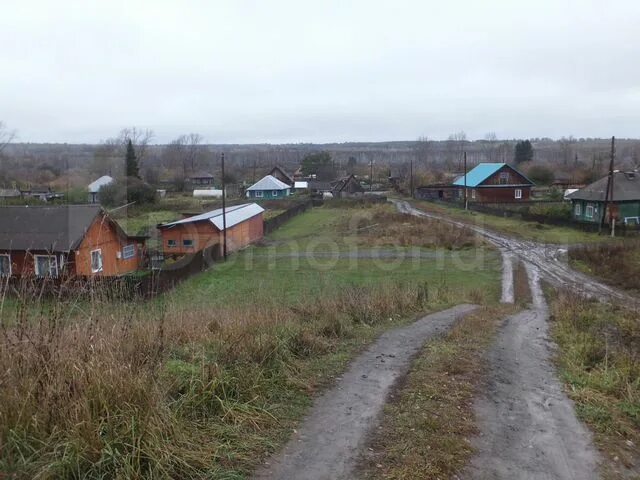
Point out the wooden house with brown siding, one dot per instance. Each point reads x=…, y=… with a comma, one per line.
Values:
x=244, y=224
x=494, y=183
x=67, y=240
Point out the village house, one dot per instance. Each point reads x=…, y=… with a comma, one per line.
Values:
x=437, y=191
x=268, y=188
x=494, y=183
x=95, y=186
x=244, y=224
x=69, y=240
x=588, y=203
x=201, y=179
x=281, y=175
x=347, y=186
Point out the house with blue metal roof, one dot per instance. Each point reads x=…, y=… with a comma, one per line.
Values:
x=494, y=183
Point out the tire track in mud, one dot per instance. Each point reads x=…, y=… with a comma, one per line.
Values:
x=528, y=425
x=328, y=443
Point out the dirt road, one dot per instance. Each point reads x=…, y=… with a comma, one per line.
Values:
x=528, y=424
x=328, y=443
x=550, y=259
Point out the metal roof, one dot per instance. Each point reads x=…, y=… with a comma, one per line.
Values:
x=269, y=183
x=56, y=229
x=234, y=215
x=94, y=187
x=481, y=172
x=626, y=188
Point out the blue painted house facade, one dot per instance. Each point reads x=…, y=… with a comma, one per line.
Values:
x=268, y=188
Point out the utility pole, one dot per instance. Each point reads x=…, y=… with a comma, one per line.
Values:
x=466, y=203
x=609, y=184
x=371, y=175
x=411, y=177
x=224, y=212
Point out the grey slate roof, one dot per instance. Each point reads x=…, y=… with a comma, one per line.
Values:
x=56, y=229
x=626, y=187
x=269, y=183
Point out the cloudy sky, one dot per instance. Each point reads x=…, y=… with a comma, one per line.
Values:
x=246, y=71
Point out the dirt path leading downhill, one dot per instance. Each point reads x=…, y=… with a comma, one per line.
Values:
x=328, y=443
x=528, y=424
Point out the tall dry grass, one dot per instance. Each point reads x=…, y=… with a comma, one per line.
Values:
x=617, y=263
x=134, y=392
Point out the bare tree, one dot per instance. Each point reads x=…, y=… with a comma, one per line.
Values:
x=140, y=139
x=422, y=151
x=6, y=136
x=456, y=144
x=490, y=147
x=184, y=153
x=566, y=148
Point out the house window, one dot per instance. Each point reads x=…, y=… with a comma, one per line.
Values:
x=187, y=243
x=46, y=265
x=473, y=194
x=589, y=211
x=518, y=193
x=504, y=178
x=258, y=193
x=578, y=210
x=129, y=251
x=5, y=266
x=171, y=243
x=274, y=193
x=96, y=261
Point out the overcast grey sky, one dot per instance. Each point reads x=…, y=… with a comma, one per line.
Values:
x=246, y=71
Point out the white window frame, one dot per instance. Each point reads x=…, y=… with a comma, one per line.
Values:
x=184, y=244
x=578, y=209
x=589, y=211
x=518, y=193
x=129, y=248
x=274, y=193
x=2, y=255
x=473, y=193
x=37, y=266
x=259, y=193
x=171, y=243
x=101, y=268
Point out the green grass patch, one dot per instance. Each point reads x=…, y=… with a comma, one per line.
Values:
x=599, y=360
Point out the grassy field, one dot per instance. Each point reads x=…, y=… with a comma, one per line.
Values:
x=207, y=380
x=617, y=264
x=599, y=360
x=513, y=226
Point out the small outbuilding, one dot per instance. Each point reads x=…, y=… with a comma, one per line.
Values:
x=244, y=224
x=269, y=188
x=281, y=175
x=201, y=179
x=207, y=193
x=95, y=186
x=348, y=186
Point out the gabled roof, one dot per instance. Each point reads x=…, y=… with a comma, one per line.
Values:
x=234, y=215
x=269, y=183
x=341, y=183
x=626, y=187
x=201, y=175
x=483, y=171
x=284, y=174
x=56, y=229
x=95, y=186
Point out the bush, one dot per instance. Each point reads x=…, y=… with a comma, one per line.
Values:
x=541, y=175
x=127, y=190
x=550, y=210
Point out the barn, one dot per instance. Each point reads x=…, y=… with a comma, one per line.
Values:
x=65, y=240
x=494, y=183
x=244, y=224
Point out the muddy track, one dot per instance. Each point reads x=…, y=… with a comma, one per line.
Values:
x=551, y=260
x=528, y=424
x=328, y=443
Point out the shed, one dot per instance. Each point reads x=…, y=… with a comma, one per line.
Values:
x=201, y=179
x=269, y=187
x=208, y=193
x=281, y=175
x=244, y=224
x=95, y=186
